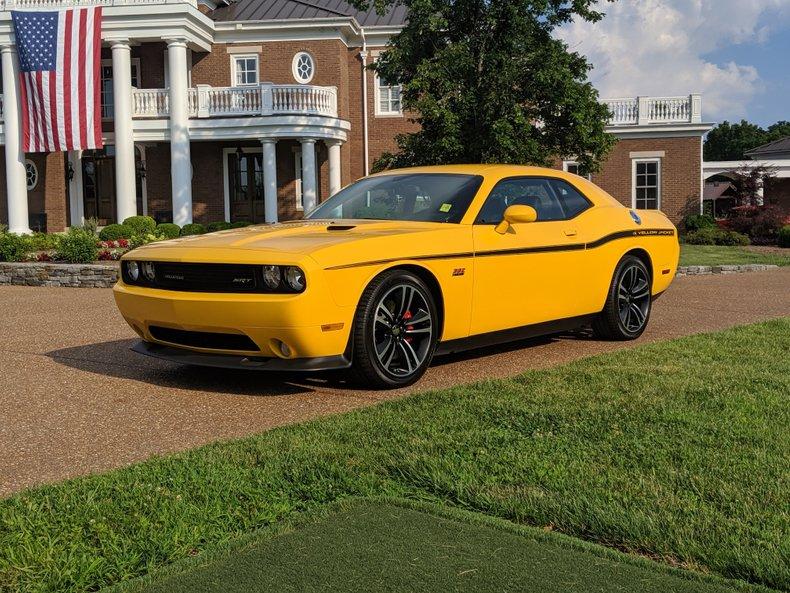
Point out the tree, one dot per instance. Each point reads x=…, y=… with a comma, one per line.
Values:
x=487, y=82
x=728, y=142
x=749, y=184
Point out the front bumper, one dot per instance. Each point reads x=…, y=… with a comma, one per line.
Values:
x=311, y=324
x=239, y=361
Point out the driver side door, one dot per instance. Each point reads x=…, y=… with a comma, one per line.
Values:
x=532, y=272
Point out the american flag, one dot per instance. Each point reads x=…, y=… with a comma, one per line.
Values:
x=60, y=78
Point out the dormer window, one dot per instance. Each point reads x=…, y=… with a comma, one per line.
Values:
x=303, y=67
x=245, y=70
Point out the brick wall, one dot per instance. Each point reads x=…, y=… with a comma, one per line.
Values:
x=681, y=168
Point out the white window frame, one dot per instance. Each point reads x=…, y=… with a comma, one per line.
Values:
x=377, y=97
x=298, y=178
x=295, y=62
x=572, y=163
x=135, y=66
x=234, y=58
x=634, y=163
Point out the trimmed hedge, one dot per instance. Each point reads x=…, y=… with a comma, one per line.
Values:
x=784, y=236
x=213, y=227
x=113, y=232
x=78, y=247
x=716, y=236
x=12, y=247
x=193, y=228
x=141, y=225
x=168, y=230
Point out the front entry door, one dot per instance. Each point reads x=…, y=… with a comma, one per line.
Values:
x=245, y=176
x=533, y=272
x=98, y=171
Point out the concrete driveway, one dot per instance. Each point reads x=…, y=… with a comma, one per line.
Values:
x=76, y=401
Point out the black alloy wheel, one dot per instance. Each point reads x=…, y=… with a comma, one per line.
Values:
x=628, y=303
x=395, y=330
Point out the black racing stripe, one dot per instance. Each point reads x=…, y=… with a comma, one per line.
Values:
x=630, y=234
x=541, y=249
x=520, y=251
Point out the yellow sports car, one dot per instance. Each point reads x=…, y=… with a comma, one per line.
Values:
x=399, y=266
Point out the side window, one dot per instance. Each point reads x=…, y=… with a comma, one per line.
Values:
x=571, y=200
x=530, y=191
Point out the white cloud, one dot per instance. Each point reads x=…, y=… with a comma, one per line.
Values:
x=658, y=47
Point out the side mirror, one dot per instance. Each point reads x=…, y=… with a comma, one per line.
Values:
x=514, y=214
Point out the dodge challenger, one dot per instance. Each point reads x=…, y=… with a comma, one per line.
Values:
x=400, y=266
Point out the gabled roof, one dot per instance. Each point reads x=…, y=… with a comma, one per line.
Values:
x=772, y=149
x=274, y=10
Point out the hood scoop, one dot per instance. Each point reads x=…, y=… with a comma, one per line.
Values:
x=341, y=227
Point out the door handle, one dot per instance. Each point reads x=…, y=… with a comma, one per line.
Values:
x=570, y=232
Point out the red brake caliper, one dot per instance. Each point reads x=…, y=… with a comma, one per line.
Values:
x=406, y=316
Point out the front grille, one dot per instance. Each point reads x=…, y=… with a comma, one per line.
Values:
x=208, y=277
x=210, y=340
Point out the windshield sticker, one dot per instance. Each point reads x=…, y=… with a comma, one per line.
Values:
x=445, y=207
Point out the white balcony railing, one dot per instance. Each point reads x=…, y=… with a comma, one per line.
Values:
x=655, y=110
x=27, y=4
x=266, y=99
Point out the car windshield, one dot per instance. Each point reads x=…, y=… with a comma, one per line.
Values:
x=430, y=197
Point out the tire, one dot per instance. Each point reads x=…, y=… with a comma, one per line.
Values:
x=628, y=303
x=395, y=331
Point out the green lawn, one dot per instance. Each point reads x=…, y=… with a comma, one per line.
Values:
x=715, y=255
x=678, y=451
x=379, y=546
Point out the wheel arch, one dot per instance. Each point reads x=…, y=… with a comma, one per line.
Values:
x=645, y=258
x=424, y=274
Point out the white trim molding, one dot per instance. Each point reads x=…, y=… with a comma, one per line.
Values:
x=648, y=154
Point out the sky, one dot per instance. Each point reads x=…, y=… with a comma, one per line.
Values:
x=736, y=53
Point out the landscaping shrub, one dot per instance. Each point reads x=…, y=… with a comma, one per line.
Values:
x=78, y=246
x=761, y=223
x=731, y=238
x=40, y=242
x=695, y=222
x=12, y=247
x=213, y=227
x=113, y=232
x=193, y=228
x=784, y=236
x=141, y=224
x=240, y=223
x=716, y=236
x=168, y=230
x=91, y=225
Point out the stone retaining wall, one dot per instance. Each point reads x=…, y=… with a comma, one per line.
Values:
x=47, y=274
x=106, y=274
x=731, y=269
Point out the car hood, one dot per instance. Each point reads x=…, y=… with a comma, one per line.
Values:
x=291, y=241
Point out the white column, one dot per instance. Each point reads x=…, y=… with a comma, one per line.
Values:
x=180, y=161
x=270, y=178
x=125, y=195
x=16, y=178
x=76, y=195
x=334, y=166
x=308, y=174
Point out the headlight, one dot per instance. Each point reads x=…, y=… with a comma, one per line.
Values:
x=148, y=271
x=133, y=270
x=271, y=277
x=294, y=277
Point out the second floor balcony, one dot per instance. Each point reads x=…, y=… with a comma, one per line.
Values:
x=647, y=111
x=261, y=100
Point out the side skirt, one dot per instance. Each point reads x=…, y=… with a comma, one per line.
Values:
x=513, y=334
